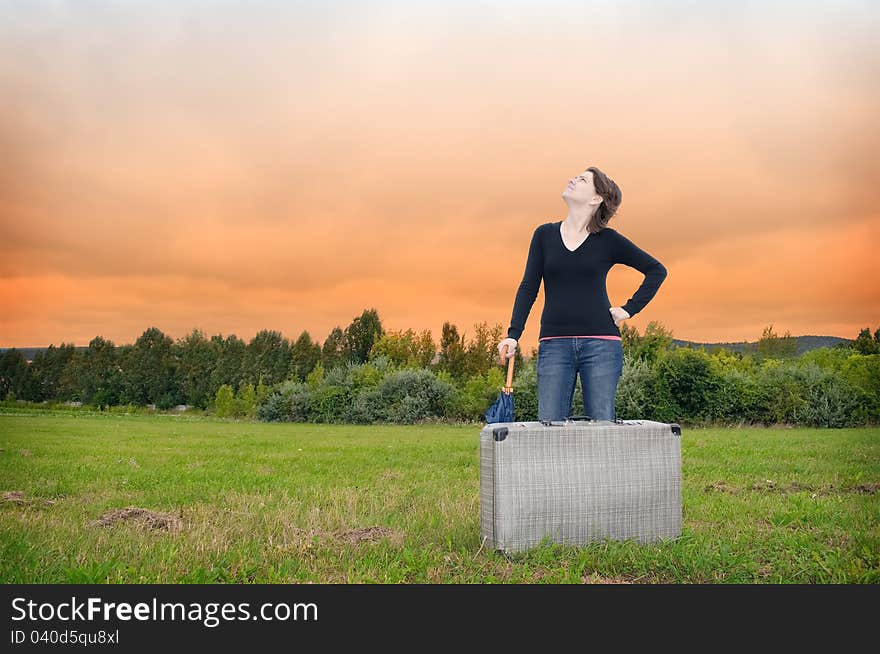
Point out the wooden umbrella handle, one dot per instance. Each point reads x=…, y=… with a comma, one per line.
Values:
x=509, y=387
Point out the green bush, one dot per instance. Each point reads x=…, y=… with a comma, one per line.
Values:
x=684, y=387
x=329, y=404
x=408, y=396
x=367, y=407
x=780, y=393
x=224, y=401
x=738, y=399
x=262, y=392
x=166, y=401
x=829, y=400
x=331, y=399
x=479, y=392
x=246, y=403
x=288, y=402
x=525, y=390
x=863, y=372
x=370, y=374
x=275, y=408
x=316, y=376
x=633, y=390
x=828, y=358
x=105, y=397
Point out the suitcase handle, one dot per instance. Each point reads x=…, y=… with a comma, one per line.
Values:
x=562, y=423
x=618, y=421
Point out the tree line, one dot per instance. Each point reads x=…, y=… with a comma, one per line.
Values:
x=156, y=369
x=366, y=374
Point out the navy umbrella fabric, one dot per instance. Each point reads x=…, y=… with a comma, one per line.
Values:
x=502, y=409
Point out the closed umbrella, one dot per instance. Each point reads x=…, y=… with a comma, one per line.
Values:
x=502, y=409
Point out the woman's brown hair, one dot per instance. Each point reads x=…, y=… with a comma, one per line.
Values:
x=608, y=189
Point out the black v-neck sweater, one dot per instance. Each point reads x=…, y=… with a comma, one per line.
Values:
x=575, y=297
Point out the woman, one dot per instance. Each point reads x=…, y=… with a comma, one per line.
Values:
x=579, y=333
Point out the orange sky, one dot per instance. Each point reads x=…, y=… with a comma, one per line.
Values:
x=242, y=168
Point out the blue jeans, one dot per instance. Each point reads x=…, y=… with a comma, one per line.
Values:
x=599, y=362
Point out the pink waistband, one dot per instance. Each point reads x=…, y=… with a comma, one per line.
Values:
x=612, y=338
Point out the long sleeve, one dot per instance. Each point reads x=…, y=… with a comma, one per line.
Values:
x=629, y=254
x=528, y=288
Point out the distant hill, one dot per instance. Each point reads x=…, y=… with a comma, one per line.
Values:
x=804, y=344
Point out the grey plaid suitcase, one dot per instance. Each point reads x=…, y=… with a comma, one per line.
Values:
x=579, y=480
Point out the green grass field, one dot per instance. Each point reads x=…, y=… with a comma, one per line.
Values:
x=244, y=502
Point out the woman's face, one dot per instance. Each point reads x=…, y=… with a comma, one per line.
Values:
x=580, y=188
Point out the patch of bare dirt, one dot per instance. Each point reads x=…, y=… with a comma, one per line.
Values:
x=768, y=485
x=362, y=534
x=764, y=485
x=18, y=497
x=771, y=486
x=389, y=474
x=24, y=452
x=793, y=487
x=721, y=487
x=354, y=536
x=145, y=517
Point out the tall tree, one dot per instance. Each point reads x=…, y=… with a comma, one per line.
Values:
x=305, y=355
x=230, y=362
x=865, y=344
x=426, y=349
x=149, y=370
x=360, y=335
x=16, y=379
x=482, y=350
x=268, y=354
x=648, y=347
x=774, y=346
x=405, y=348
x=334, y=351
x=197, y=358
x=452, y=357
x=48, y=367
x=100, y=376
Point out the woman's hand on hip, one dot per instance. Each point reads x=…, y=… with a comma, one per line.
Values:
x=618, y=314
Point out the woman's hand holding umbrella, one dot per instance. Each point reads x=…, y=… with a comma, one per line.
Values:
x=502, y=409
